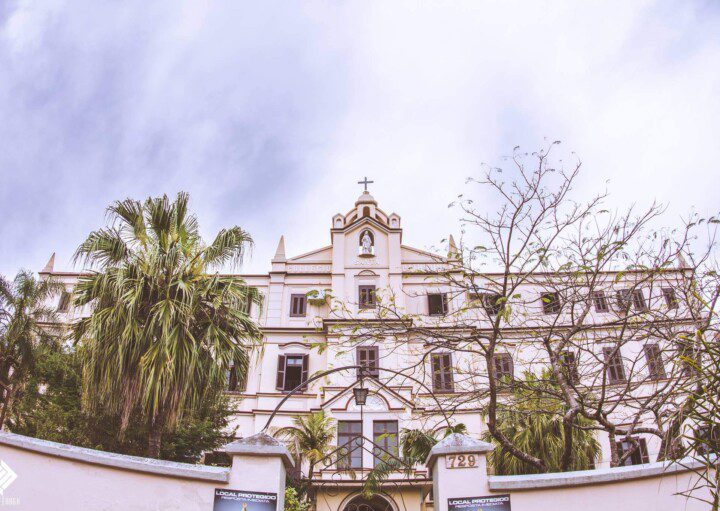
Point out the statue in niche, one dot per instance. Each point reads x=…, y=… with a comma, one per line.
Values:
x=366, y=245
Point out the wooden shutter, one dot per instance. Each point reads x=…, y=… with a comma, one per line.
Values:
x=368, y=357
x=614, y=364
x=280, y=381
x=304, y=377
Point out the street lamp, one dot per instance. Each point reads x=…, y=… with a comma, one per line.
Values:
x=360, y=394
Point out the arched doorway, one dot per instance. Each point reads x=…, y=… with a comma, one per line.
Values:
x=376, y=503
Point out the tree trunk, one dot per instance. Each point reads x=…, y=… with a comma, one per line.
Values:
x=7, y=403
x=155, y=438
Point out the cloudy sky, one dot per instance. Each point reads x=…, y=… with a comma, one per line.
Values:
x=269, y=112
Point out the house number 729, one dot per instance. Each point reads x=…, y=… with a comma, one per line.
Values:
x=460, y=461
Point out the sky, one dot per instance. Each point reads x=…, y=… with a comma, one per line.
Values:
x=268, y=113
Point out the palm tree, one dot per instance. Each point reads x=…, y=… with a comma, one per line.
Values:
x=533, y=421
x=24, y=310
x=310, y=439
x=164, y=330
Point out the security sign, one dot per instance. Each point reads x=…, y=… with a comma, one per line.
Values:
x=487, y=503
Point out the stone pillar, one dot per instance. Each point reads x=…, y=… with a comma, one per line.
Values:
x=259, y=464
x=459, y=469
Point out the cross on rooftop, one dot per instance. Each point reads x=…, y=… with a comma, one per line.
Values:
x=365, y=182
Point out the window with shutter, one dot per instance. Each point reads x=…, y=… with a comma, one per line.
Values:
x=437, y=304
x=614, y=365
x=369, y=358
x=655, y=366
x=292, y=372
x=366, y=297
x=442, y=372
x=503, y=367
x=298, y=305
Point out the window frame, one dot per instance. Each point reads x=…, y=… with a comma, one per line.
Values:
x=351, y=436
x=444, y=307
x=599, y=298
x=654, y=361
x=613, y=364
x=386, y=442
x=569, y=364
x=370, y=368
x=671, y=301
x=281, y=375
x=504, y=359
x=553, y=305
x=302, y=299
x=64, y=301
x=639, y=457
x=370, y=300
x=442, y=372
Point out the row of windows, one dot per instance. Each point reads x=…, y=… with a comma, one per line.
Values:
x=492, y=303
x=292, y=369
x=385, y=438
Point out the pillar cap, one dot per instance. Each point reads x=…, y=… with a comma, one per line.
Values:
x=260, y=444
x=457, y=443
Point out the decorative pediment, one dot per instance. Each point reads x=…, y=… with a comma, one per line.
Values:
x=379, y=398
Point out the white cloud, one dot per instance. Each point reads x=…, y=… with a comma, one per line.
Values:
x=269, y=113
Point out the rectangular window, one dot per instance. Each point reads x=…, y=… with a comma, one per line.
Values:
x=366, y=297
x=292, y=371
x=234, y=380
x=638, y=457
x=492, y=303
x=385, y=437
x=247, y=306
x=368, y=357
x=638, y=299
x=551, y=303
x=670, y=298
x=600, y=301
x=64, y=302
x=437, y=304
x=503, y=367
x=655, y=366
x=442, y=372
x=688, y=357
x=350, y=440
x=614, y=365
x=707, y=440
x=623, y=297
x=298, y=305
x=568, y=362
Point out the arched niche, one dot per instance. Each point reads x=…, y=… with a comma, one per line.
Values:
x=366, y=243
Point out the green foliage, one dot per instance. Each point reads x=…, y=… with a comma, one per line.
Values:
x=51, y=409
x=532, y=419
x=164, y=329
x=23, y=312
x=311, y=438
x=293, y=501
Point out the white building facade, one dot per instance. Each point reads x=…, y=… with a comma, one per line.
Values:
x=313, y=304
